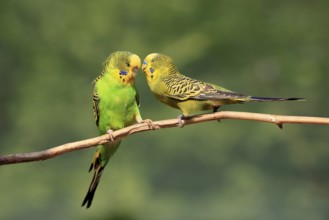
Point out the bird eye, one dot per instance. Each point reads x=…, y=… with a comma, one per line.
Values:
x=152, y=60
x=128, y=64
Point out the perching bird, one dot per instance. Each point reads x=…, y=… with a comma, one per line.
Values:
x=115, y=104
x=189, y=95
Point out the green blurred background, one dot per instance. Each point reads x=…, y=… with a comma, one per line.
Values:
x=50, y=51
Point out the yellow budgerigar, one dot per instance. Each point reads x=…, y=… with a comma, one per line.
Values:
x=189, y=95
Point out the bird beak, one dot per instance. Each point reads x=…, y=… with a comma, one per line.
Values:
x=135, y=71
x=144, y=65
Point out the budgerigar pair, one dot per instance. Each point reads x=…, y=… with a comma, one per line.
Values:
x=115, y=99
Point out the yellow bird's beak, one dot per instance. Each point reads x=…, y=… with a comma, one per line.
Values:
x=144, y=65
x=135, y=71
x=135, y=62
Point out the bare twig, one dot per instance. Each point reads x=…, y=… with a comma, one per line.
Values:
x=65, y=148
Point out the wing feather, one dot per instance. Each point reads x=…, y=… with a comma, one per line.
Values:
x=183, y=88
x=95, y=106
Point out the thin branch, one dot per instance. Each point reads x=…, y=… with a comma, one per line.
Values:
x=119, y=134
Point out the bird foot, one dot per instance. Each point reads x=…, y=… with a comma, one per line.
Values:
x=110, y=133
x=215, y=109
x=181, y=123
x=149, y=123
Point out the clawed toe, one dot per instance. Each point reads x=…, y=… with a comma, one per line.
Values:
x=110, y=133
x=180, y=120
x=149, y=123
x=215, y=109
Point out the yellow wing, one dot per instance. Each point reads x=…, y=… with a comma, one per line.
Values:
x=184, y=88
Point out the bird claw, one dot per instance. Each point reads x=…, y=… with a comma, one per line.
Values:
x=149, y=123
x=181, y=123
x=110, y=133
x=215, y=109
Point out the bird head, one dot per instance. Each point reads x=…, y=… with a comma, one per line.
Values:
x=156, y=66
x=123, y=65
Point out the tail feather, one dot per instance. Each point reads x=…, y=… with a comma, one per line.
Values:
x=100, y=159
x=97, y=166
x=269, y=99
x=92, y=188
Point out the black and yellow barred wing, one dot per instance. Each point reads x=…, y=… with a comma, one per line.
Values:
x=183, y=88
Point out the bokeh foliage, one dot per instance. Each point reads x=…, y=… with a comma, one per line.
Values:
x=50, y=51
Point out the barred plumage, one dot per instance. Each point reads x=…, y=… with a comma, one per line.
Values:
x=187, y=94
x=182, y=87
x=95, y=106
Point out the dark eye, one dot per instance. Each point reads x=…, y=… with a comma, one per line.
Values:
x=128, y=64
x=152, y=60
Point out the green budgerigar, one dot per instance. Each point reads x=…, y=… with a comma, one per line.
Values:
x=189, y=95
x=115, y=104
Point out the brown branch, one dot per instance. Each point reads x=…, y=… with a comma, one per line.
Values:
x=65, y=148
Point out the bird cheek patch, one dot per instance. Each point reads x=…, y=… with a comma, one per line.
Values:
x=151, y=71
x=122, y=75
x=122, y=72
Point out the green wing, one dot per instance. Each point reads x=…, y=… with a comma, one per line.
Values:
x=137, y=97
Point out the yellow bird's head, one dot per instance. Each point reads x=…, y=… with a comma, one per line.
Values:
x=156, y=66
x=123, y=66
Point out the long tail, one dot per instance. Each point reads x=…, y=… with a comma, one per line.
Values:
x=98, y=167
x=268, y=99
x=100, y=159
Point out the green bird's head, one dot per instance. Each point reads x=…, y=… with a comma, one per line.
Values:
x=157, y=66
x=123, y=66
